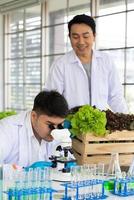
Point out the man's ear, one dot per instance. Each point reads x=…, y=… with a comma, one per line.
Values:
x=33, y=114
x=94, y=35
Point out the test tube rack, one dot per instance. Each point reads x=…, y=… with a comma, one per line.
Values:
x=35, y=193
x=88, y=183
x=124, y=186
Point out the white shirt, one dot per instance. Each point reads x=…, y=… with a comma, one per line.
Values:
x=68, y=77
x=18, y=144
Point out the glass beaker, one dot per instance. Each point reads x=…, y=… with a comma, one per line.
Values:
x=114, y=169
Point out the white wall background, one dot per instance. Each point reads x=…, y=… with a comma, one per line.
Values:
x=1, y=63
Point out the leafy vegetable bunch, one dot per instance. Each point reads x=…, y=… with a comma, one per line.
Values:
x=6, y=114
x=88, y=120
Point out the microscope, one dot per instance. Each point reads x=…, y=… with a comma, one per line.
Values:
x=61, y=159
x=62, y=155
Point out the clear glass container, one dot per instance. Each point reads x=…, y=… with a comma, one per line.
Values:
x=114, y=169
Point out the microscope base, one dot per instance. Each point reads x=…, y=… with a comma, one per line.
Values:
x=60, y=176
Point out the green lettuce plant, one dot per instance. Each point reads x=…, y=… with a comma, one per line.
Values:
x=6, y=114
x=88, y=120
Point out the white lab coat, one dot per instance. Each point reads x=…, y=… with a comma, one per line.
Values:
x=68, y=76
x=15, y=137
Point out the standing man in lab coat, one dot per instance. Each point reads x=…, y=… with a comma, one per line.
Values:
x=86, y=76
x=26, y=137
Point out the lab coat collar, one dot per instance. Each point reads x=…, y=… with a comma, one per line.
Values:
x=74, y=58
x=95, y=76
x=25, y=137
x=29, y=125
x=19, y=118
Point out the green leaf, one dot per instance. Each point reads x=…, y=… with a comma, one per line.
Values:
x=6, y=114
x=88, y=119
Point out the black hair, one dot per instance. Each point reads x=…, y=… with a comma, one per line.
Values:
x=85, y=19
x=51, y=103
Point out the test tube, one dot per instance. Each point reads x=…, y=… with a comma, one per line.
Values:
x=123, y=182
x=48, y=181
x=117, y=186
x=100, y=177
x=47, y=177
x=85, y=175
x=130, y=183
x=7, y=177
x=73, y=172
x=92, y=171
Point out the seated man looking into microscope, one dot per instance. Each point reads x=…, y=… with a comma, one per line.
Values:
x=26, y=137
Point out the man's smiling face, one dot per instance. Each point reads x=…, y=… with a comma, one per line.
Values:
x=82, y=39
